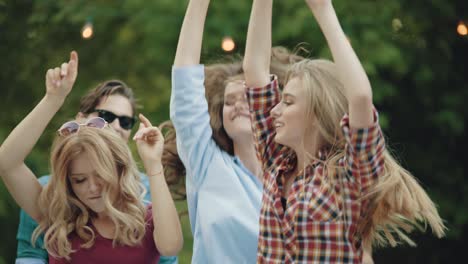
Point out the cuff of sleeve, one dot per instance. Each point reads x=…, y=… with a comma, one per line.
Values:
x=273, y=85
x=362, y=139
x=182, y=72
x=262, y=98
x=185, y=81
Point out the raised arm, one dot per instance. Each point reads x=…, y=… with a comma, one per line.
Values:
x=188, y=106
x=262, y=93
x=191, y=34
x=258, y=47
x=18, y=178
x=351, y=73
x=167, y=230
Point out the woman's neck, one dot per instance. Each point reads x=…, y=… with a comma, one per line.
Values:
x=307, y=151
x=101, y=216
x=246, y=152
x=104, y=225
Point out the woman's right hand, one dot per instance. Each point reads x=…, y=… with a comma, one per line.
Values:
x=150, y=145
x=59, y=81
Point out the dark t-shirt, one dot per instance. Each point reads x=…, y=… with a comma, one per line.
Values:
x=103, y=252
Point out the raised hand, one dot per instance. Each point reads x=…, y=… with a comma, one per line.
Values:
x=150, y=143
x=191, y=34
x=349, y=69
x=59, y=81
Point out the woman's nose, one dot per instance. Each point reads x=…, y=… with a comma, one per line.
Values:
x=94, y=184
x=276, y=111
x=241, y=104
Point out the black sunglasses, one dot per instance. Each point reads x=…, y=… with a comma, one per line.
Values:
x=126, y=122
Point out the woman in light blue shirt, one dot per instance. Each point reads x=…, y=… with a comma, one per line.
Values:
x=223, y=194
x=215, y=143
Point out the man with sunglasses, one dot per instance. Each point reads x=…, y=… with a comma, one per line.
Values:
x=113, y=101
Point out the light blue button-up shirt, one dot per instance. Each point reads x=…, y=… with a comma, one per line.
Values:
x=224, y=198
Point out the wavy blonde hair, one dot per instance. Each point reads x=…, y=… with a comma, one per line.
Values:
x=398, y=203
x=62, y=213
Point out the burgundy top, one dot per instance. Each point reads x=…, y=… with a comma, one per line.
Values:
x=103, y=252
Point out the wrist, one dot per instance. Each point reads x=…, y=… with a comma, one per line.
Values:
x=156, y=174
x=155, y=170
x=56, y=99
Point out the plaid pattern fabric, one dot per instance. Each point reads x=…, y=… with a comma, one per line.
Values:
x=319, y=224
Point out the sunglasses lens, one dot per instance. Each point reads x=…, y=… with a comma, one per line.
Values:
x=69, y=128
x=106, y=115
x=96, y=122
x=126, y=122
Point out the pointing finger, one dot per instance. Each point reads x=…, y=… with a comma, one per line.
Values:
x=73, y=65
x=74, y=57
x=144, y=120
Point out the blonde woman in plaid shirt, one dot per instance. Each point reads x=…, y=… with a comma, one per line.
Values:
x=330, y=186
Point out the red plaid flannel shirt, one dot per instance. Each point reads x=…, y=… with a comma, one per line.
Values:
x=319, y=224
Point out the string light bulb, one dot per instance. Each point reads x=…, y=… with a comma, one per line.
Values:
x=462, y=29
x=228, y=44
x=396, y=24
x=87, y=31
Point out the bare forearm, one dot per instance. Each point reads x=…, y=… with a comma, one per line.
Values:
x=25, y=135
x=167, y=233
x=191, y=34
x=258, y=47
x=18, y=178
x=351, y=73
x=24, y=187
x=167, y=229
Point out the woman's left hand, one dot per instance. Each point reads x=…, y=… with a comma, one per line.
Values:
x=150, y=142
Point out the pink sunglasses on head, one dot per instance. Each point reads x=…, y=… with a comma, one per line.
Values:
x=72, y=127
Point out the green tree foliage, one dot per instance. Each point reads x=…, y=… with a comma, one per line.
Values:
x=410, y=49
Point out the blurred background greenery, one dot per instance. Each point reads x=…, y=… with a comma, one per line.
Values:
x=413, y=51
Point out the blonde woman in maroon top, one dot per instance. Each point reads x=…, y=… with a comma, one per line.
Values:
x=92, y=210
x=330, y=186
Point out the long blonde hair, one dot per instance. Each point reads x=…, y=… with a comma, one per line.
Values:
x=398, y=203
x=62, y=213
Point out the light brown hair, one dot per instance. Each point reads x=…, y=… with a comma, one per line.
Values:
x=89, y=102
